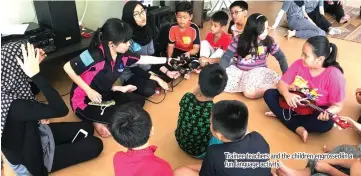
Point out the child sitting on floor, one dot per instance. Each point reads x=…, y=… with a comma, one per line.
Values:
x=193, y=134
x=217, y=41
x=238, y=12
x=131, y=127
x=229, y=123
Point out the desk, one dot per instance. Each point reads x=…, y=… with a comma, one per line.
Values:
x=69, y=52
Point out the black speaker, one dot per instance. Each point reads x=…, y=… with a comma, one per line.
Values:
x=60, y=16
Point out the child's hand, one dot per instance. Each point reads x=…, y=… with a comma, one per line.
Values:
x=187, y=54
x=173, y=74
x=203, y=61
x=352, y=123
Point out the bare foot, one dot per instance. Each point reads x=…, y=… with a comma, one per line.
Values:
x=345, y=19
x=302, y=132
x=291, y=34
x=286, y=171
x=322, y=167
x=270, y=114
x=187, y=76
x=102, y=129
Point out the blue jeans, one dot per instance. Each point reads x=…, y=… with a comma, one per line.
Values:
x=212, y=141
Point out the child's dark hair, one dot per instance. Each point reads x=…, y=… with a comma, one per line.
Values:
x=114, y=30
x=130, y=125
x=241, y=4
x=322, y=47
x=249, y=38
x=220, y=17
x=184, y=6
x=230, y=118
x=212, y=80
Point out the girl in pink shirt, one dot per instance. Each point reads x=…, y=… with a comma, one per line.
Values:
x=317, y=71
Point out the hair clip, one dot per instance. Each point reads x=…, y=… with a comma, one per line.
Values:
x=258, y=17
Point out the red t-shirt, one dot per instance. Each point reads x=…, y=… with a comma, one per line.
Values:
x=221, y=43
x=184, y=39
x=141, y=163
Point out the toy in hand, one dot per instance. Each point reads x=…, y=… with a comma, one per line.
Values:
x=307, y=107
x=185, y=64
x=103, y=105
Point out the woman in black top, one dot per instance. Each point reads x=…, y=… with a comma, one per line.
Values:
x=28, y=141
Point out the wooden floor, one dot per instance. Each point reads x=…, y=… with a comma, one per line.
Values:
x=164, y=115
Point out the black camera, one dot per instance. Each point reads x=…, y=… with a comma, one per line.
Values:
x=184, y=64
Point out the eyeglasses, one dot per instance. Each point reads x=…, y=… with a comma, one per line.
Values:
x=140, y=14
x=236, y=12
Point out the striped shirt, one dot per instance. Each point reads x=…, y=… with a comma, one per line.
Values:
x=256, y=60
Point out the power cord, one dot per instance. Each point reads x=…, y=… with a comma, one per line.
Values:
x=165, y=92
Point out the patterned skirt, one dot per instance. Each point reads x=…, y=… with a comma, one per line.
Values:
x=258, y=78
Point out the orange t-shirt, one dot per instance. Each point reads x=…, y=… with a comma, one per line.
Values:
x=184, y=39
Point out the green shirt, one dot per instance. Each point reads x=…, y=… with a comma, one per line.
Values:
x=193, y=133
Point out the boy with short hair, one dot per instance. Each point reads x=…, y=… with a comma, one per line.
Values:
x=217, y=41
x=193, y=133
x=183, y=35
x=229, y=122
x=131, y=127
x=238, y=11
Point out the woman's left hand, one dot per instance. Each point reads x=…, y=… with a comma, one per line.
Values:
x=324, y=116
x=30, y=65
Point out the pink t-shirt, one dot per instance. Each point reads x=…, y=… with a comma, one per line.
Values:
x=330, y=84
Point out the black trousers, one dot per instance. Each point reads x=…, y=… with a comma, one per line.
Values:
x=96, y=114
x=145, y=87
x=320, y=20
x=67, y=153
x=334, y=9
x=309, y=122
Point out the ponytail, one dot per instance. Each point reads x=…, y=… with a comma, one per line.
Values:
x=114, y=30
x=331, y=59
x=322, y=47
x=96, y=39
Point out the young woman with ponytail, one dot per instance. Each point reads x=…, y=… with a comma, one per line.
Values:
x=320, y=71
x=96, y=70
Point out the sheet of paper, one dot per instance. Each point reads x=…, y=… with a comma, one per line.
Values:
x=11, y=29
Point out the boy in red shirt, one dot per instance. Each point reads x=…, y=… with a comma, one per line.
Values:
x=131, y=127
x=183, y=35
x=217, y=41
